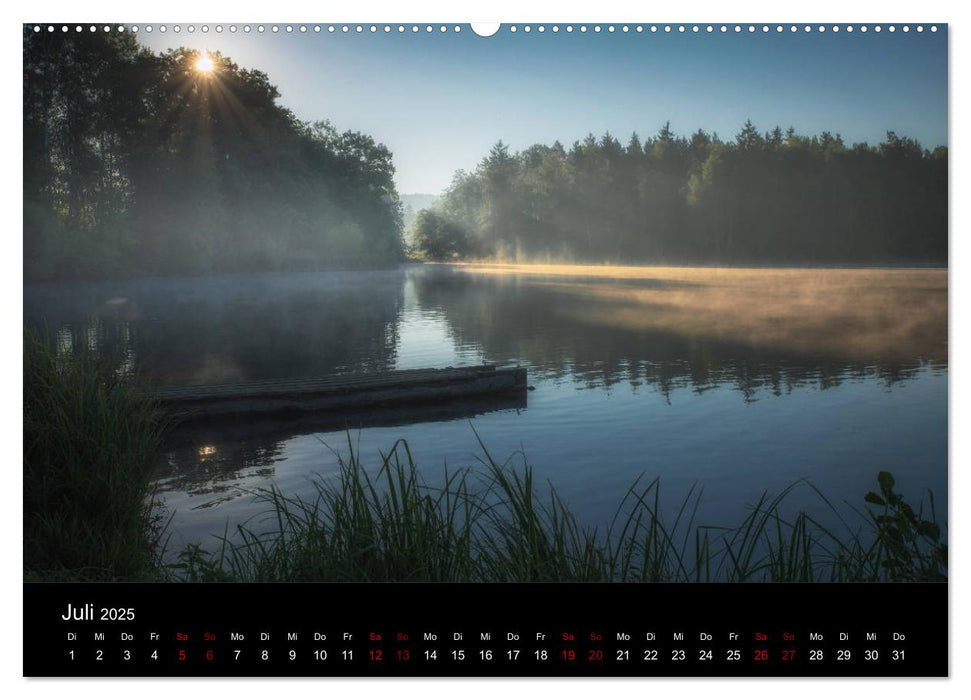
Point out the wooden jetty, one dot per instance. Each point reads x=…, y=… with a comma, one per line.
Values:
x=342, y=393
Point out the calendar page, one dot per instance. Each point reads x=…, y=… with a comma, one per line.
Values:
x=419, y=349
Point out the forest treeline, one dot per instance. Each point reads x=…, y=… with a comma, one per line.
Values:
x=762, y=198
x=140, y=163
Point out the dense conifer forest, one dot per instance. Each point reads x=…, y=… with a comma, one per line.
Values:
x=775, y=198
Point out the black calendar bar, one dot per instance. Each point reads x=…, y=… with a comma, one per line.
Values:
x=646, y=630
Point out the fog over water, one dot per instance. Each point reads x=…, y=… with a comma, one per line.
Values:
x=739, y=380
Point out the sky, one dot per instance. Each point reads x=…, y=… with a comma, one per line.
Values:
x=439, y=101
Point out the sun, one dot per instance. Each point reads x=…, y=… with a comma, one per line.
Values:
x=205, y=64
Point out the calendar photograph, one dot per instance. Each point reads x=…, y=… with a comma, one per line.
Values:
x=514, y=304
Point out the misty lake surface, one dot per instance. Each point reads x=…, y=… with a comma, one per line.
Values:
x=739, y=381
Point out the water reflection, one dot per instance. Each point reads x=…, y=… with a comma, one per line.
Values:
x=217, y=456
x=208, y=330
x=755, y=376
x=675, y=327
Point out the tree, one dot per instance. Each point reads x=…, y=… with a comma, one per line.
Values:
x=142, y=163
x=777, y=198
x=437, y=238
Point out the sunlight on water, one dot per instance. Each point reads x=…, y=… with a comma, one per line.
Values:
x=849, y=313
x=739, y=380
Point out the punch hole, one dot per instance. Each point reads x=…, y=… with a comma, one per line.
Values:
x=485, y=29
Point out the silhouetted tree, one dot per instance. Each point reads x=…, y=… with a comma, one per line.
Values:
x=137, y=162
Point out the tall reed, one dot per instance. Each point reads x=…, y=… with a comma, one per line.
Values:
x=90, y=444
x=495, y=524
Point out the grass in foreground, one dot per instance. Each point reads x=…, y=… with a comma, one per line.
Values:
x=90, y=443
x=495, y=525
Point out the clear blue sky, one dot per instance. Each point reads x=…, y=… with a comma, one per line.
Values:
x=439, y=101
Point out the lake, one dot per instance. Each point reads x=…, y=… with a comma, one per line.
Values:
x=738, y=381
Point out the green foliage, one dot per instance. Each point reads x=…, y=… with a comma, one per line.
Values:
x=773, y=198
x=139, y=163
x=90, y=444
x=911, y=548
x=394, y=527
x=390, y=527
x=437, y=238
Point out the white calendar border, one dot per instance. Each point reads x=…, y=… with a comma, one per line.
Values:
x=603, y=11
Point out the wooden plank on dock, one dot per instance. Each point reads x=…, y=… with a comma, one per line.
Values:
x=337, y=393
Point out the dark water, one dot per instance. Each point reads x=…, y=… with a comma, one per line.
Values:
x=738, y=380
